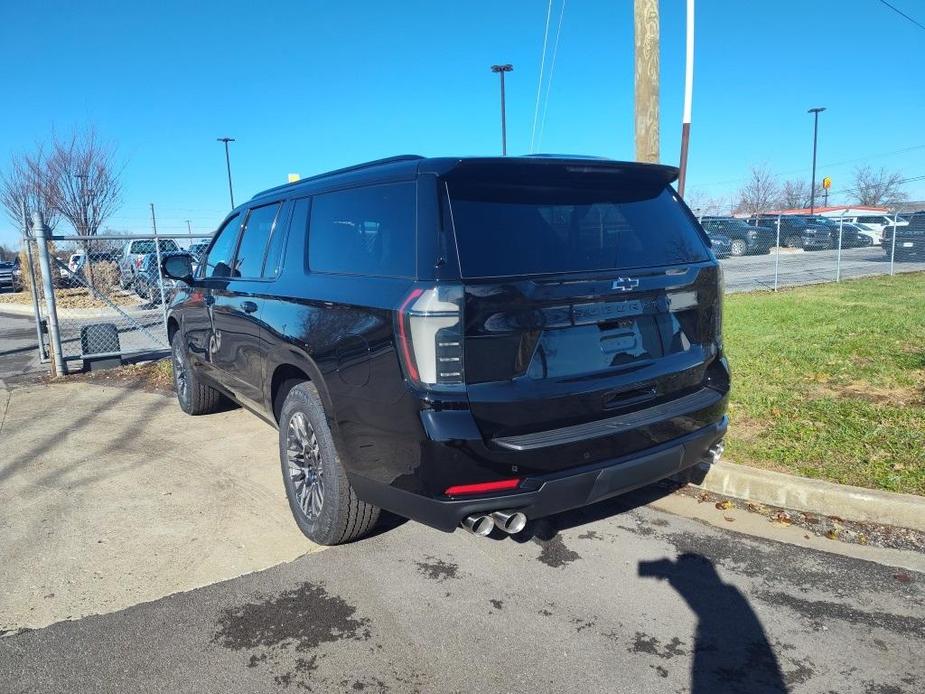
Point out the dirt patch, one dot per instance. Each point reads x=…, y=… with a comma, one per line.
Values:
x=77, y=297
x=155, y=376
x=747, y=429
x=879, y=395
x=437, y=569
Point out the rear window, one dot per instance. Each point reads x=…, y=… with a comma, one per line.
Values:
x=506, y=230
x=167, y=246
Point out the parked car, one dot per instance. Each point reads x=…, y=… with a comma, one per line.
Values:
x=75, y=272
x=147, y=278
x=721, y=244
x=472, y=341
x=849, y=235
x=132, y=254
x=910, y=238
x=10, y=275
x=746, y=239
x=797, y=231
x=873, y=222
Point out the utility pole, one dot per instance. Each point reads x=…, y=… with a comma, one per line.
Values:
x=812, y=186
x=226, y=140
x=501, y=69
x=646, y=26
x=688, y=97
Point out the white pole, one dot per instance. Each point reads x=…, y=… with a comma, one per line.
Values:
x=688, y=98
x=841, y=225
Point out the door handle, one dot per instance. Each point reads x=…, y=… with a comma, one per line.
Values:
x=248, y=306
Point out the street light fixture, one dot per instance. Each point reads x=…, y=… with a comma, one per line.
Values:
x=226, y=140
x=501, y=69
x=812, y=186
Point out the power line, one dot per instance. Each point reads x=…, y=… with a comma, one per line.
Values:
x=552, y=69
x=902, y=14
x=539, y=84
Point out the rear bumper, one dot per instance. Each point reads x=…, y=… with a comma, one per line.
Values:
x=544, y=495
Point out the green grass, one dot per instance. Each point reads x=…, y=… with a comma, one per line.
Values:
x=829, y=381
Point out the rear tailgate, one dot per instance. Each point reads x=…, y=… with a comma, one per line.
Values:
x=590, y=302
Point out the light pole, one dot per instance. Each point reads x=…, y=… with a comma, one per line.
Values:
x=501, y=69
x=812, y=186
x=226, y=140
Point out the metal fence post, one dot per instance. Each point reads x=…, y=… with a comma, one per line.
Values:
x=33, y=287
x=841, y=225
x=160, y=277
x=777, y=253
x=38, y=227
x=893, y=249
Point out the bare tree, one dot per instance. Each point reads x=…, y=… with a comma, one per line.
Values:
x=794, y=195
x=877, y=188
x=28, y=183
x=704, y=205
x=760, y=194
x=86, y=189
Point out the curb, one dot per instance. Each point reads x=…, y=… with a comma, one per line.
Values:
x=813, y=496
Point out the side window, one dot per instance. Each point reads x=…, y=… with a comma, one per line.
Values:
x=364, y=231
x=249, y=259
x=298, y=226
x=218, y=262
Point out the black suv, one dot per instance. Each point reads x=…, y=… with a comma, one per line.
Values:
x=797, y=231
x=747, y=239
x=471, y=341
x=910, y=239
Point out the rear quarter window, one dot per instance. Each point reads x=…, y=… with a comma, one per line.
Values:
x=364, y=231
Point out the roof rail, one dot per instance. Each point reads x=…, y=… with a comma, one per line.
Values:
x=542, y=155
x=346, y=169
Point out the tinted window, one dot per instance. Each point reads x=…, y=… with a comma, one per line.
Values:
x=218, y=263
x=147, y=246
x=525, y=230
x=249, y=259
x=364, y=231
x=275, y=247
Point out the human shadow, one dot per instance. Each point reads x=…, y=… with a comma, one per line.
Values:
x=731, y=651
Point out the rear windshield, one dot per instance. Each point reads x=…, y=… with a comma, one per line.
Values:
x=148, y=246
x=504, y=230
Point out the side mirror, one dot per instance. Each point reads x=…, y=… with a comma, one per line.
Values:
x=178, y=267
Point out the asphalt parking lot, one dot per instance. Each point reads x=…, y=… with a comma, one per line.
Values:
x=146, y=551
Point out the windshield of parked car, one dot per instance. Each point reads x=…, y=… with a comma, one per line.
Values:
x=504, y=230
x=147, y=246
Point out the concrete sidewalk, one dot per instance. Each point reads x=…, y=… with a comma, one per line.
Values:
x=111, y=496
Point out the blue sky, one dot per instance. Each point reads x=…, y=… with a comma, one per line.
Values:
x=306, y=86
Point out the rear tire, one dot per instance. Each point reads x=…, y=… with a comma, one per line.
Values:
x=794, y=241
x=323, y=503
x=194, y=396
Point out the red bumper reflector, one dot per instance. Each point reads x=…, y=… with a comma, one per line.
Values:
x=482, y=487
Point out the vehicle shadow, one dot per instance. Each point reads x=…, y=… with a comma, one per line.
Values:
x=731, y=652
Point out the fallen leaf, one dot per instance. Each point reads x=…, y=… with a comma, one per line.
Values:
x=806, y=537
x=862, y=539
x=703, y=496
x=903, y=578
x=756, y=508
x=810, y=519
x=724, y=505
x=782, y=517
x=832, y=534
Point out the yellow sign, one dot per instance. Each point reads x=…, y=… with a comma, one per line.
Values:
x=826, y=182
x=294, y=177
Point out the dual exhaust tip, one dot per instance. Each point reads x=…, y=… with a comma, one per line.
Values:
x=480, y=524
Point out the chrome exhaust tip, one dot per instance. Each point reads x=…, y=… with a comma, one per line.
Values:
x=715, y=451
x=511, y=522
x=480, y=525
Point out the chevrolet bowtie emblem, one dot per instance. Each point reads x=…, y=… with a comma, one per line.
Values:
x=625, y=284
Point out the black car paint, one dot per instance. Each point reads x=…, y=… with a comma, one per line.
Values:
x=402, y=446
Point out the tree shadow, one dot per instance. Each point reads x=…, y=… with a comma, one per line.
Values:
x=731, y=651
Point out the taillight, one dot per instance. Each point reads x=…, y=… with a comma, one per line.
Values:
x=430, y=336
x=138, y=262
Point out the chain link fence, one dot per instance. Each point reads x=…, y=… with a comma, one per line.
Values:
x=110, y=296
x=769, y=252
